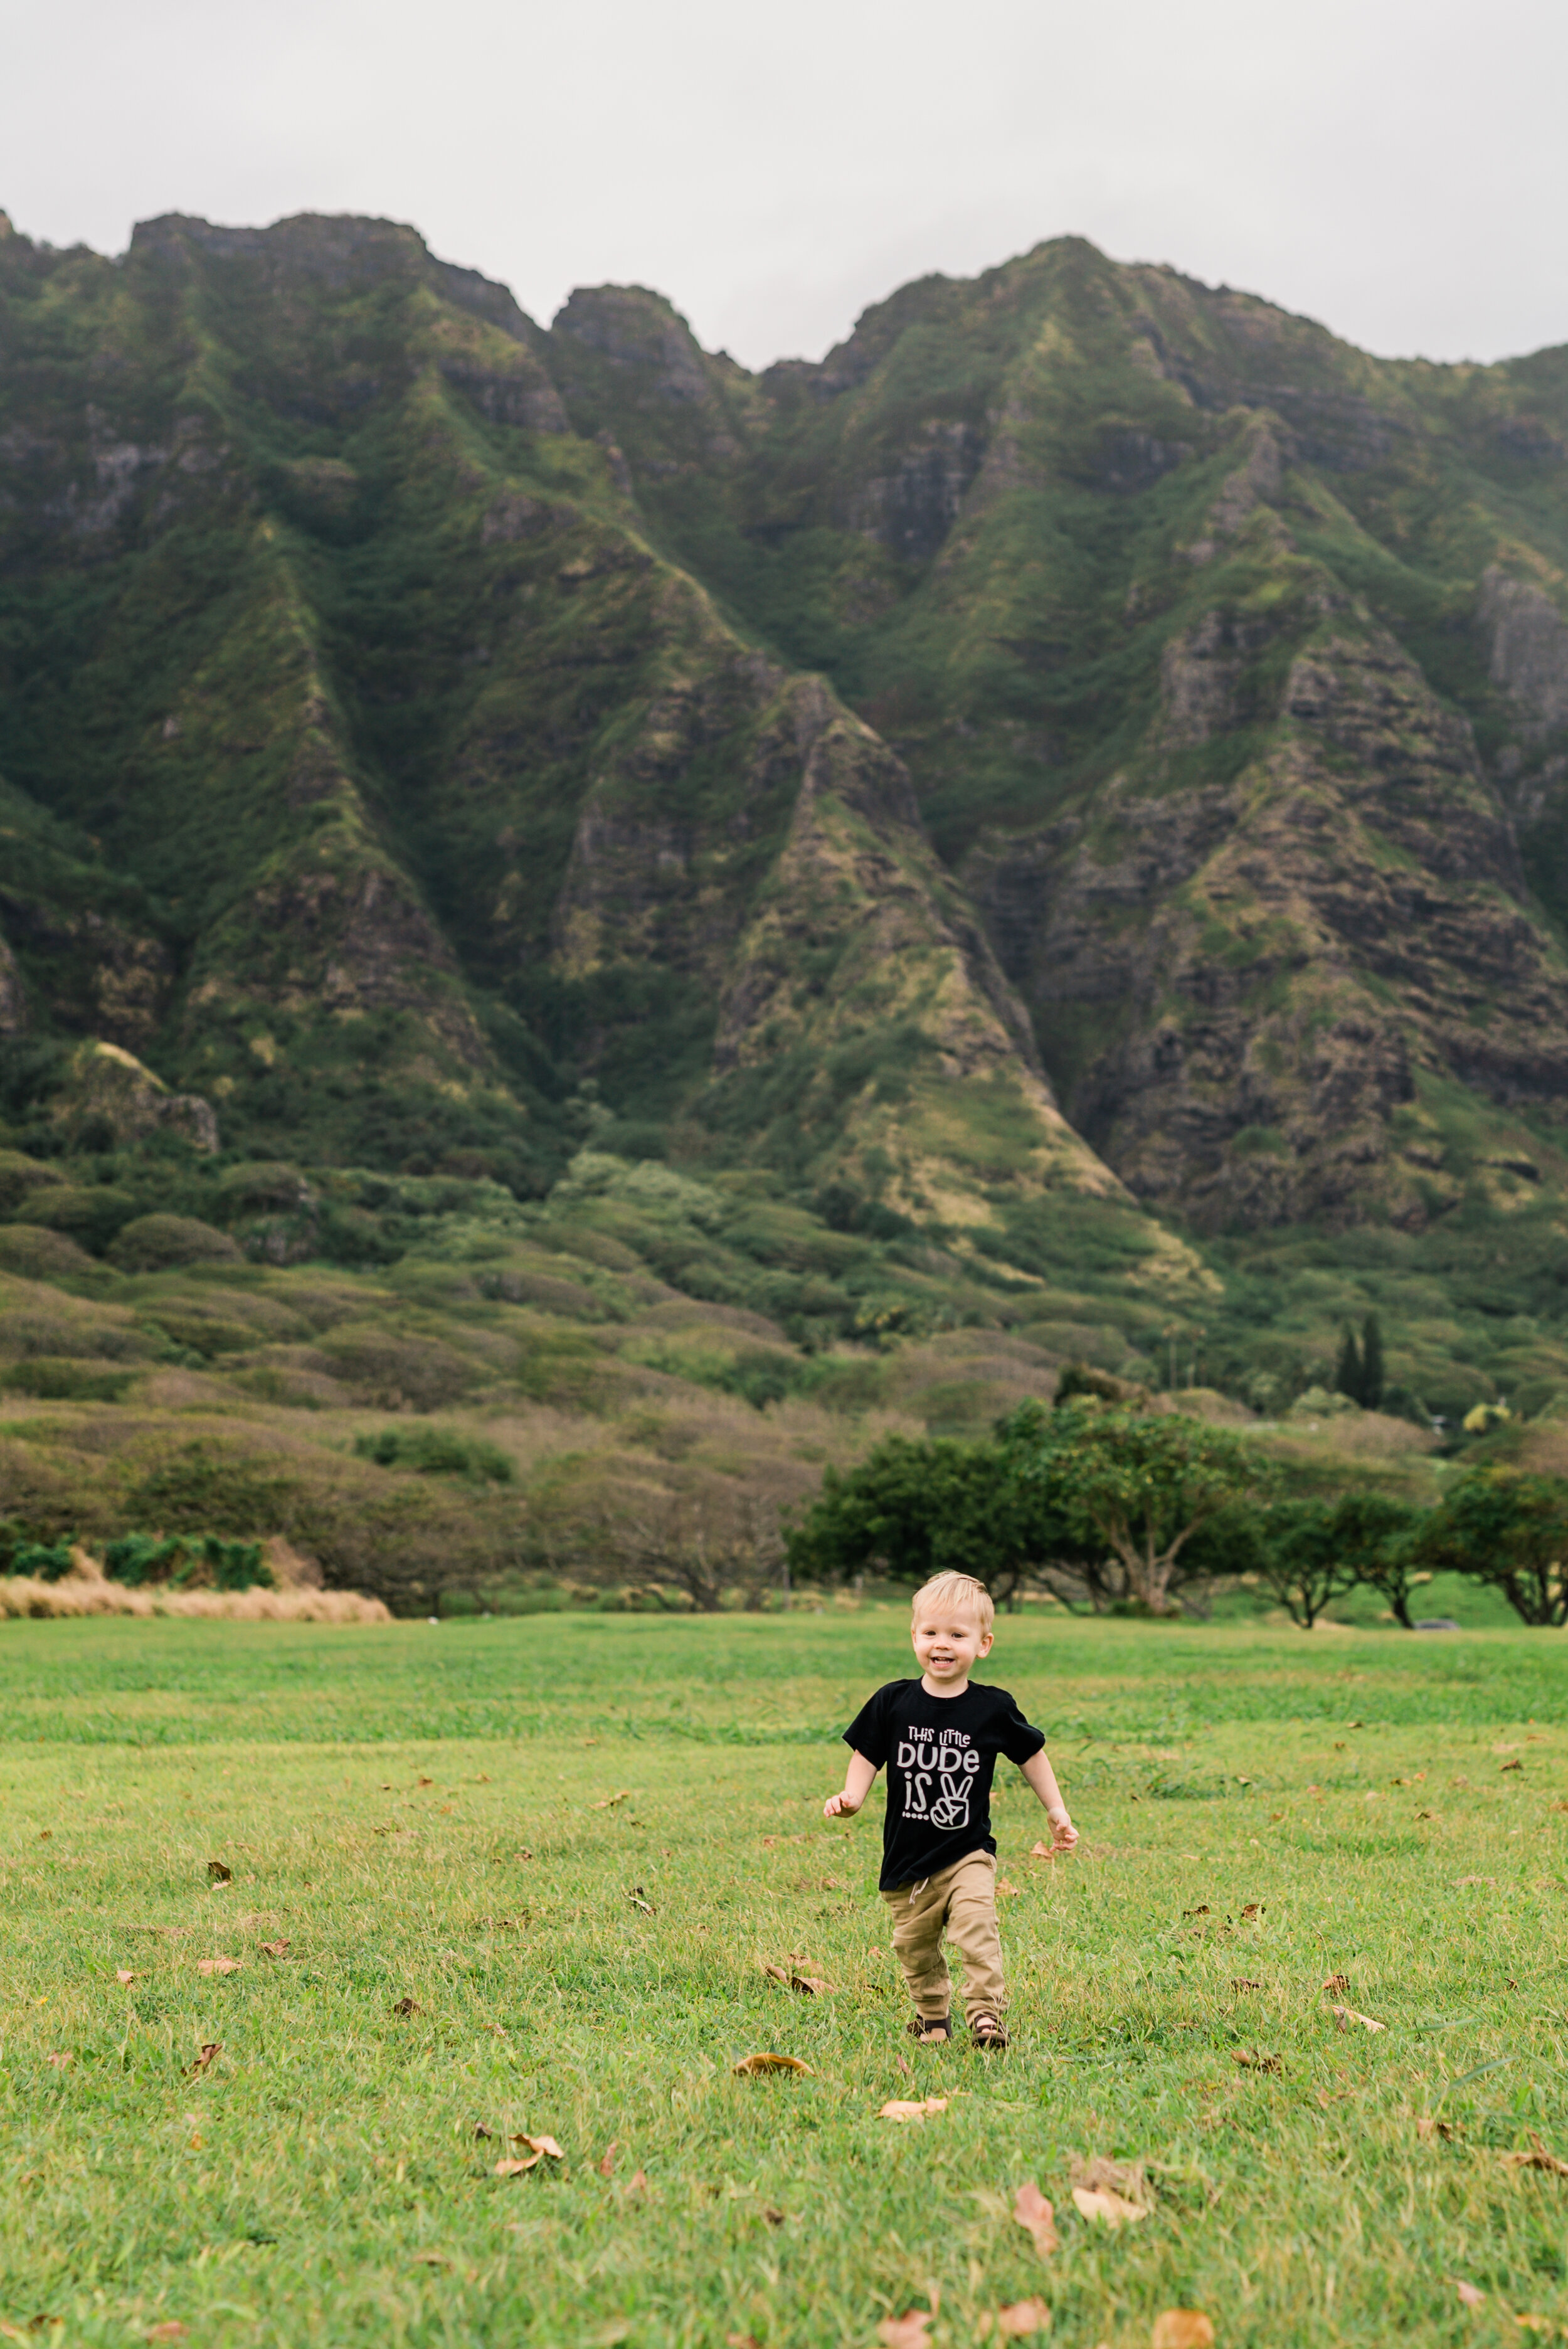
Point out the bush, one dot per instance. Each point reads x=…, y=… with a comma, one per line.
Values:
x=186, y=1562
x=436, y=1452
x=44, y=1561
x=55, y=1381
x=156, y=1243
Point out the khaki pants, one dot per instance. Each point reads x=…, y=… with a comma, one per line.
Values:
x=963, y=1901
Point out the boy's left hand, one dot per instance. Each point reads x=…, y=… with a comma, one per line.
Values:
x=1063, y=1834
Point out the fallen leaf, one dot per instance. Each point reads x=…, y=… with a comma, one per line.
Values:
x=1024, y=2316
x=742, y=2341
x=897, y=2109
x=606, y=2162
x=773, y=2215
x=1239, y=1982
x=1031, y=2210
x=60, y=2060
x=1200, y=1910
x=610, y=1801
x=505, y=2168
x=45, y=1834
x=1253, y=1909
x=1460, y=1882
x=209, y=2052
x=908, y=2332
x=639, y=1900
x=1116, y=2191
x=1468, y=2294
x=1337, y=1986
x=170, y=2330
x=432, y=2259
x=424, y=1782
x=1250, y=2062
x=1513, y=1766
x=407, y=2006
x=1042, y=1851
x=905, y=2068
x=219, y=1873
x=539, y=2148
x=124, y=1974
x=1346, y=2016
x=218, y=1965
x=1423, y=1815
x=638, y=2183
x=1431, y=2126
x=274, y=1949
x=1100, y=2202
x=1537, y=2158
x=1182, y=2328
x=751, y=2064
x=1534, y=2323
x=1006, y=1884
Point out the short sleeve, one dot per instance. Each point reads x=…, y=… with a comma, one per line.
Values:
x=868, y=1730
x=1018, y=1739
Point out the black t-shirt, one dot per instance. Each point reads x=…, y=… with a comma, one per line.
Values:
x=939, y=1752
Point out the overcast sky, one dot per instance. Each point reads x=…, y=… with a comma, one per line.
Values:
x=1396, y=169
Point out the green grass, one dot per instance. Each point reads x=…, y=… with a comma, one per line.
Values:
x=375, y=1792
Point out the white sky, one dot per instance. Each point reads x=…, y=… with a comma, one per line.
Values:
x=1397, y=168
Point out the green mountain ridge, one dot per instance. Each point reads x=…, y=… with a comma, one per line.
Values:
x=1054, y=817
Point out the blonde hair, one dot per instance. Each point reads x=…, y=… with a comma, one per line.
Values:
x=960, y=1592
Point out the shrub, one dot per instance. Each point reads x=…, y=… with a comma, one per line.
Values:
x=155, y=1242
x=44, y=1561
x=185, y=1562
x=436, y=1452
x=53, y=1381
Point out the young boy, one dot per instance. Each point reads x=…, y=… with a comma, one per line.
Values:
x=940, y=1736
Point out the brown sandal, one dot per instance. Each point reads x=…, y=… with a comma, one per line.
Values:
x=985, y=2031
x=930, y=2030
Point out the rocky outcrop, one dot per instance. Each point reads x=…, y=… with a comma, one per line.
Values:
x=1527, y=639
x=105, y=1087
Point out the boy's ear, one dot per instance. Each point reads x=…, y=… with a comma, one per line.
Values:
x=987, y=1639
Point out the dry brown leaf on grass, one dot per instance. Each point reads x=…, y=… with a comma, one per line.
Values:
x=407, y=2006
x=1346, y=2016
x=1252, y=1909
x=169, y=2330
x=812, y=1985
x=606, y=2163
x=1031, y=2210
x=897, y=2109
x=1337, y=1986
x=1251, y=2060
x=1468, y=2293
x=1533, y=2323
x=910, y=2331
x=218, y=1965
x=1429, y=2126
x=539, y=2148
x=1182, y=2328
x=274, y=1949
x=1537, y=2158
x=219, y=1873
x=124, y=1974
x=59, y=2059
x=621, y=1795
x=639, y=1900
x=1005, y=1884
x=1023, y=2317
x=749, y=2066
x=1513, y=1766
x=1202, y=1910
x=1115, y=2192
x=742, y=2341
x=424, y=1782
x=212, y=2049
x=638, y=2183
x=1042, y=1851
x=432, y=2259
x=1240, y=1982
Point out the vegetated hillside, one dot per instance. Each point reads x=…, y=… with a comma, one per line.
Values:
x=544, y=847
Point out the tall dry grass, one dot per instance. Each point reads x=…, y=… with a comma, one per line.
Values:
x=86, y=1590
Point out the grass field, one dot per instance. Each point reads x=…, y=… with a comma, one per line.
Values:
x=461, y=1816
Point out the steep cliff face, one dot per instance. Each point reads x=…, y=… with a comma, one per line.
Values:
x=1231, y=669
x=438, y=784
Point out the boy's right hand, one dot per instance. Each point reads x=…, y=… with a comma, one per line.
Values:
x=839, y=1806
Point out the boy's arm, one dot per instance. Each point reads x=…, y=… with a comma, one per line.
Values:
x=1043, y=1779
x=859, y=1780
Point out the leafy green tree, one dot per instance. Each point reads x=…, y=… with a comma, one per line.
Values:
x=1508, y=1530
x=1139, y=1486
x=1347, y=1370
x=915, y=1509
x=1299, y=1560
x=1372, y=1374
x=1378, y=1538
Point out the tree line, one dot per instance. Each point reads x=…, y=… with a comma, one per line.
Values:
x=1112, y=1508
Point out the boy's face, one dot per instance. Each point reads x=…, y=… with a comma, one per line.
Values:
x=949, y=1645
